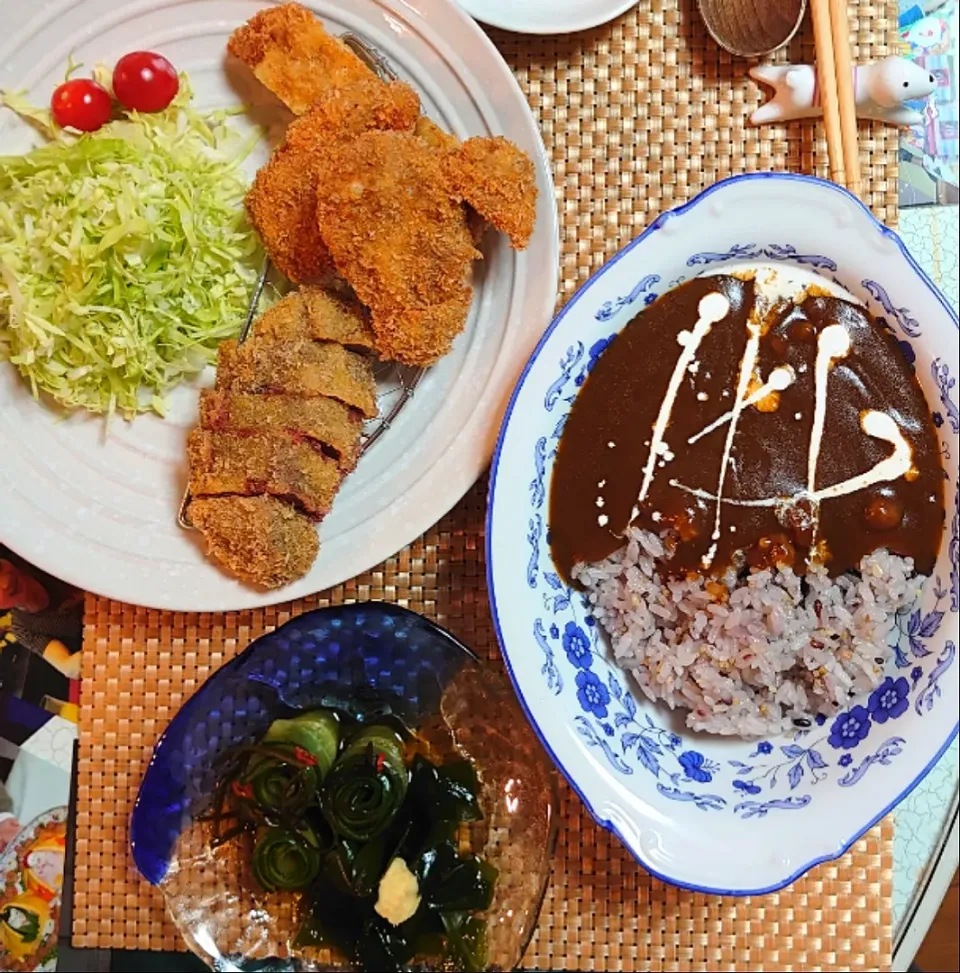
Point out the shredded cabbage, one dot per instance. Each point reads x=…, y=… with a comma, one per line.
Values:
x=125, y=255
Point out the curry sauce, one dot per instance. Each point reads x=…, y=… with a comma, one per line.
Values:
x=763, y=432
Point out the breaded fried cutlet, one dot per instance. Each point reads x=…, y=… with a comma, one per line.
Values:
x=333, y=318
x=279, y=205
x=294, y=57
x=301, y=368
x=316, y=314
x=263, y=463
x=444, y=142
x=397, y=238
x=362, y=106
x=419, y=335
x=499, y=181
x=326, y=422
x=281, y=202
x=262, y=540
x=435, y=136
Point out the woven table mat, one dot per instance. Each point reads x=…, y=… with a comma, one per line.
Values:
x=638, y=116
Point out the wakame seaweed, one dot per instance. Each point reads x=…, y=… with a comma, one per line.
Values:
x=332, y=804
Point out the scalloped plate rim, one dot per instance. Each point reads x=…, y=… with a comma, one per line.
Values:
x=604, y=822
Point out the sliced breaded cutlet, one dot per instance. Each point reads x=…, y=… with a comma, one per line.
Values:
x=262, y=463
x=301, y=368
x=327, y=422
x=292, y=55
x=316, y=314
x=281, y=202
x=262, y=540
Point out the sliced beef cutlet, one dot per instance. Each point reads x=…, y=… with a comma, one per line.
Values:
x=262, y=540
x=315, y=314
x=292, y=55
x=299, y=368
x=327, y=422
x=264, y=463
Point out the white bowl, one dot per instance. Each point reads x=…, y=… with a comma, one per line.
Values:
x=707, y=813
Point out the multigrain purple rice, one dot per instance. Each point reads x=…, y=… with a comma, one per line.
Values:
x=772, y=650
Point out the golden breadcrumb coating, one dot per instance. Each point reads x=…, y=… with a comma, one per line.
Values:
x=317, y=314
x=363, y=106
x=327, y=422
x=294, y=57
x=262, y=540
x=262, y=463
x=304, y=368
x=281, y=202
x=435, y=136
x=422, y=335
x=499, y=181
x=399, y=240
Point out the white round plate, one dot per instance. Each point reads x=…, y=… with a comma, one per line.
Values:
x=98, y=506
x=716, y=814
x=545, y=16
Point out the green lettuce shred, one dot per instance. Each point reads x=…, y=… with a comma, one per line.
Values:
x=125, y=255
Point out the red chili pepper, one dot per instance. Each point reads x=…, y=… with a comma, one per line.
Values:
x=305, y=757
x=243, y=790
x=381, y=758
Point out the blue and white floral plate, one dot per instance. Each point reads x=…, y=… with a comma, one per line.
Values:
x=714, y=814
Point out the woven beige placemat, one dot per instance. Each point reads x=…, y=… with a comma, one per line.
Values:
x=638, y=116
x=602, y=911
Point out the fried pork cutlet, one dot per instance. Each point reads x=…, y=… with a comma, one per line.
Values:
x=318, y=315
x=294, y=57
x=399, y=240
x=262, y=540
x=324, y=421
x=499, y=181
x=301, y=368
x=224, y=463
x=281, y=202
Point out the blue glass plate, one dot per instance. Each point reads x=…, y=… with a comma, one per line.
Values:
x=373, y=658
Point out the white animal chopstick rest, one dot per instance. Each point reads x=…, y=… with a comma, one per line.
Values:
x=880, y=90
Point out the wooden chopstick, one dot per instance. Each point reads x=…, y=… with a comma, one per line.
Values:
x=846, y=92
x=827, y=79
x=831, y=31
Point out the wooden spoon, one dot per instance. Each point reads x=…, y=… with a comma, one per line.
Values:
x=750, y=28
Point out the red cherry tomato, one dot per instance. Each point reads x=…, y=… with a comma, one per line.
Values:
x=81, y=104
x=143, y=81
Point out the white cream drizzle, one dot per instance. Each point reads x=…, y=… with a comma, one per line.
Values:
x=712, y=308
x=747, y=364
x=879, y=425
x=832, y=343
x=875, y=424
x=779, y=379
